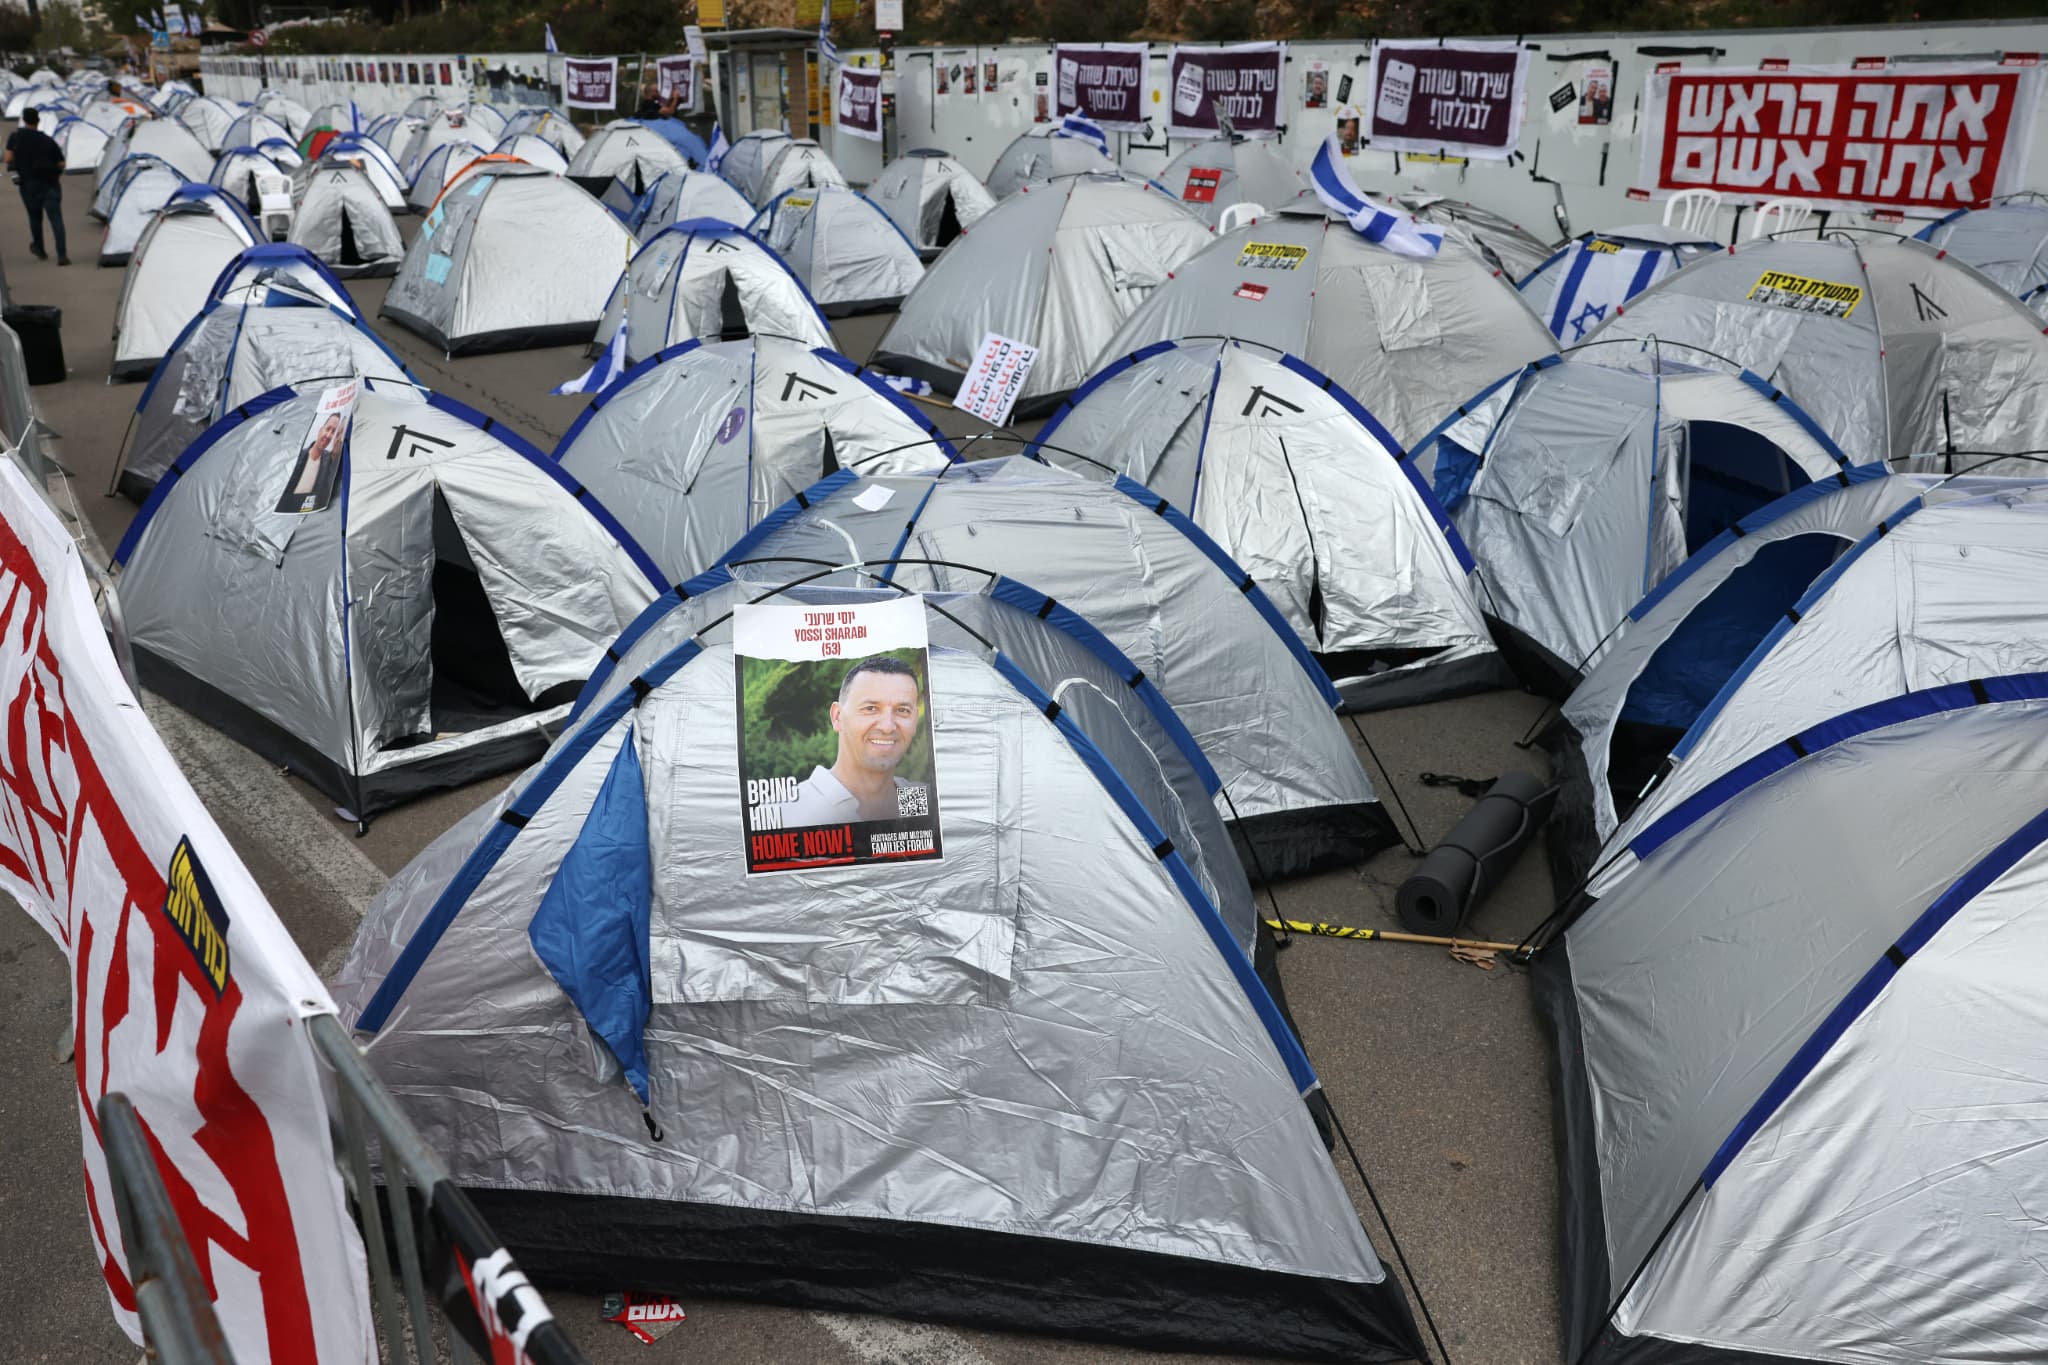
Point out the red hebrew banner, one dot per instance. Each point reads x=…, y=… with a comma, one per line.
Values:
x=1938, y=138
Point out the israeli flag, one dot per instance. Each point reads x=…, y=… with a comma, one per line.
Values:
x=1591, y=279
x=827, y=51
x=550, y=29
x=605, y=372
x=1390, y=228
x=719, y=147
x=903, y=383
x=1074, y=125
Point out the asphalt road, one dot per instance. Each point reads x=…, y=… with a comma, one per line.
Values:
x=1436, y=1067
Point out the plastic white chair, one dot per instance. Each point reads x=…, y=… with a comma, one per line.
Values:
x=1780, y=215
x=274, y=201
x=1237, y=215
x=1693, y=211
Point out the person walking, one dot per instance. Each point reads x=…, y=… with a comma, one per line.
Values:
x=38, y=164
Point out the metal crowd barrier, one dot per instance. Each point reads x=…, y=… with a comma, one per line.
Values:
x=176, y=1311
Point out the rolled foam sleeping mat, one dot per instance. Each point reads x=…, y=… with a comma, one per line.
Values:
x=1456, y=875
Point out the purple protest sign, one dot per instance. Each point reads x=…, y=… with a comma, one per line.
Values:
x=590, y=82
x=1460, y=98
x=860, y=102
x=1104, y=82
x=675, y=80
x=1241, y=82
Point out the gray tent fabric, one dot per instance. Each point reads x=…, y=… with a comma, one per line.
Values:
x=394, y=134
x=373, y=161
x=252, y=129
x=966, y=1044
x=278, y=265
x=1894, y=349
x=797, y=164
x=1506, y=245
x=208, y=119
x=437, y=170
x=679, y=196
x=237, y=349
x=695, y=445
x=422, y=629
x=1059, y=266
x=236, y=171
x=2006, y=242
x=165, y=139
x=1300, y=485
x=449, y=127
x=1803, y=1035
x=1211, y=176
x=83, y=145
x=850, y=256
x=109, y=189
x=182, y=251
x=553, y=126
x=1933, y=595
x=534, y=150
x=1043, y=152
x=629, y=152
x=342, y=219
x=704, y=280
x=487, y=270
x=285, y=110
x=1164, y=593
x=1588, y=278
x=931, y=197
x=1579, y=486
x=139, y=198
x=1410, y=337
x=746, y=162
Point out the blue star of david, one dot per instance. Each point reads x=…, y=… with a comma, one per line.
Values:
x=1588, y=315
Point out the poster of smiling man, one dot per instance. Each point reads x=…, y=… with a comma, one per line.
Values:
x=835, y=734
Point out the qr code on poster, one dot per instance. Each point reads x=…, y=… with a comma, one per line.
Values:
x=914, y=799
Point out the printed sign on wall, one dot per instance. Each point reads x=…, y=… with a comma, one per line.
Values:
x=1461, y=98
x=1212, y=86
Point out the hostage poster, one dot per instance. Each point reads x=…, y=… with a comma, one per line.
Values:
x=835, y=734
x=1456, y=98
x=1241, y=84
x=1101, y=81
x=317, y=471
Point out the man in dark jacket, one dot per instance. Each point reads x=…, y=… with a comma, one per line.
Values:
x=38, y=163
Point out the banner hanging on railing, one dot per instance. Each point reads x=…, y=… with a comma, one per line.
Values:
x=860, y=102
x=1458, y=98
x=1103, y=82
x=675, y=80
x=188, y=996
x=1240, y=82
x=1932, y=138
x=590, y=82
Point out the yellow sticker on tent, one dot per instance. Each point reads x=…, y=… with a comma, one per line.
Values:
x=1603, y=245
x=1803, y=295
x=1271, y=256
x=792, y=202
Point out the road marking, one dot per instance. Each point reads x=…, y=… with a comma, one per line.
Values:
x=890, y=1341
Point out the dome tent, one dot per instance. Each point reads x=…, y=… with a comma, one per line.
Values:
x=1796, y=1050
x=286, y=110
x=449, y=127
x=109, y=190
x=259, y=339
x=680, y=196
x=931, y=197
x=1074, y=258
x=1298, y=483
x=1188, y=616
x=534, y=150
x=1579, y=485
x=851, y=258
x=2005, y=241
x=706, y=280
x=798, y=164
x=235, y=175
x=182, y=252
x=394, y=132
x=495, y=592
x=1211, y=176
x=83, y=145
x=1894, y=348
x=550, y=125
x=1244, y=1238
x=1505, y=245
x=208, y=119
x=1595, y=273
x=281, y=265
x=346, y=149
x=487, y=270
x=745, y=163
x=697, y=443
x=137, y=200
x=1408, y=336
x=437, y=172
x=165, y=139
x=629, y=152
x=343, y=221
x=1043, y=152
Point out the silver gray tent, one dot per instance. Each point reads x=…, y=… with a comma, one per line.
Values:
x=703, y=280
x=235, y=174
x=281, y=265
x=2006, y=242
x=745, y=163
x=182, y=251
x=1410, y=337
x=680, y=196
x=139, y=194
x=628, y=152
x=1939, y=592
x=850, y=256
x=696, y=444
x=1596, y=273
x=394, y=133
x=284, y=109
x=372, y=160
x=1188, y=616
x=488, y=271
x=1579, y=486
x=944, y=1043
x=534, y=150
x=165, y=139
x=931, y=197
x=552, y=126
x=448, y=128
x=1799, y=1052
x=1300, y=485
x=1043, y=152
x=1211, y=176
x=83, y=145
x=424, y=627
x=1058, y=266
x=1893, y=348
x=110, y=188
x=252, y=129
x=342, y=220
x=208, y=119
x=1505, y=244
x=797, y=164
x=437, y=171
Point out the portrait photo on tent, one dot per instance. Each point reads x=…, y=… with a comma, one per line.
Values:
x=318, y=469
x=835, y=741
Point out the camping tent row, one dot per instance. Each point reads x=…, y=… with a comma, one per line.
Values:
x=705, y=280
x=764, y=163
x=180, y=252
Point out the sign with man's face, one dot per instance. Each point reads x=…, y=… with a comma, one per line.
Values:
x=835, y=740
x=317, y=472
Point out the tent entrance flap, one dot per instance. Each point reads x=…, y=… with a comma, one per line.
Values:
x=949, y=222
x=1734, y=471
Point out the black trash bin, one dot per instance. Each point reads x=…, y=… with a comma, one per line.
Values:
x=38, y=326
